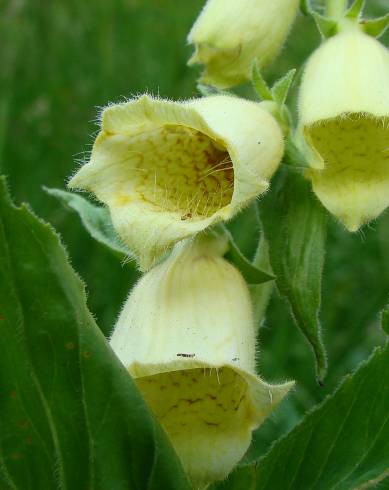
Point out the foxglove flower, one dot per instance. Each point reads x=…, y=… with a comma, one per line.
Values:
x=229, y=35
x=344, y=118
x=168, y=170
x=186, y=335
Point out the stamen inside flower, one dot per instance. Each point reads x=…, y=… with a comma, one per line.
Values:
x=202, y=410
x=355, y=151
x=178, y=169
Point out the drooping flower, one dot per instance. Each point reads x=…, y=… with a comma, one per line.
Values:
x=168, y=170
x=186, y=335
x=229, y=35
x=344, y=118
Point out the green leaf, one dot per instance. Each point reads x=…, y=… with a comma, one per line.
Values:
x=259, y=83
x=243, y=478
x=281, y=88
x=251, y=273
x=376, y=27
x=261, y=293
x=385, y=320
x=70, y=415
x=341, y=444
x=295, y=227
x=305, y=7
x=96, y=219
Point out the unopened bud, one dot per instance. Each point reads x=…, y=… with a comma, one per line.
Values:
x=229, y=35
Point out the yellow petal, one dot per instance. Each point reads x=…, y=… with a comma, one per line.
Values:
x=168, y=170
x=186, y=335
x=344, y=117
x=228, y=35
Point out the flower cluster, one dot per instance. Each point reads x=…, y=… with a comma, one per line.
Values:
x=169, y=171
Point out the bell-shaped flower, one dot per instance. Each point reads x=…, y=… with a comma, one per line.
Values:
x=186, y=335
x=168, y=170
x=229, y=35
x=344, y=118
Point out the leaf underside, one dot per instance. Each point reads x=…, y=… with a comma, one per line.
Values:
x=96, y=220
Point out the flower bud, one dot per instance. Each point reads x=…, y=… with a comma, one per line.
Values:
x=344, y=117
x=186, y=335
x=229, y=35
x=168, y=170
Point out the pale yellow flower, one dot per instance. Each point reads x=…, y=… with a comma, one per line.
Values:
x=344, y=117
x=229, y=35
x=168, y=170
x=186, y=335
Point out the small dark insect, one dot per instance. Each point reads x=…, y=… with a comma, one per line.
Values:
x=186, y=355
x=186, y=216
x=235, y=359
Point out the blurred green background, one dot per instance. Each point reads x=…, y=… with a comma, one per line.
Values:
x=62, y=60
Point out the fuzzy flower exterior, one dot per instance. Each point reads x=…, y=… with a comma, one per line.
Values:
x=229, y=35
x=344, y=118
x=168, y=170
x=186, y=335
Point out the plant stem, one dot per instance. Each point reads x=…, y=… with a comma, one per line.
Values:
x=336, y=8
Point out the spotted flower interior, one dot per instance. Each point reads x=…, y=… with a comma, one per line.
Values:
x=201, y=409
x=354, y=183
x=179, y=170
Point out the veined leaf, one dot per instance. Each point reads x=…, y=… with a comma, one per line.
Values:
x=385, y=320
x=295, y=228
x=96, y=220
x=70, y=416
x=342, y=444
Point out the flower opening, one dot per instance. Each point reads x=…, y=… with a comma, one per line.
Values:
x=168, y=170
x=355, y=151
x=186, y=335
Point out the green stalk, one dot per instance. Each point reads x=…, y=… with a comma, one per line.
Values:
x=336, y=8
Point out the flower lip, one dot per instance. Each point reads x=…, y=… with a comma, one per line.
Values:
x=210, y=408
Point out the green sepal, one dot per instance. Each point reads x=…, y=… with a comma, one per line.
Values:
x=356, y=9
x=259, y=83
x=293, y=156
x=251, y=273
x=375, y=27
x=96, y=220
x=281, y=88
x=327, y=27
